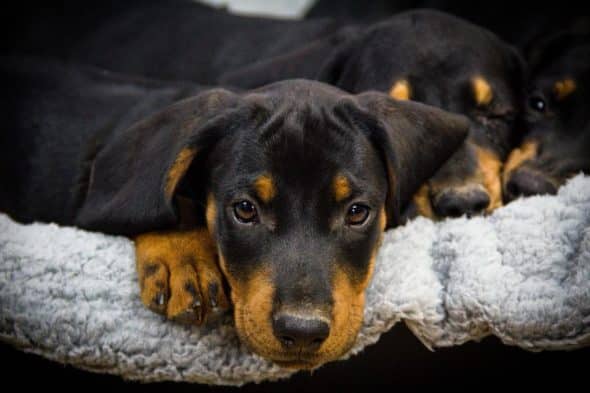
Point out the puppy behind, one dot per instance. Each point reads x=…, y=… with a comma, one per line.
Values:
x=557, y=143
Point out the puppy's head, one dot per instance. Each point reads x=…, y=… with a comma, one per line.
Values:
x=440, y=60
x=297, y=181
x=557, y=143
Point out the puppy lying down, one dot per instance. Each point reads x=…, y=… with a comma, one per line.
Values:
x=521, y=274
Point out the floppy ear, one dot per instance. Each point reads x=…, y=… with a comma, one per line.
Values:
x=303, y=62
x=136, y=172
x=414, y=141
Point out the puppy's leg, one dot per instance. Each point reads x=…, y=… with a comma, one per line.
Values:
x=179, y=275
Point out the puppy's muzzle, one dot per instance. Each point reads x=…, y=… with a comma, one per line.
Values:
x=458, y=202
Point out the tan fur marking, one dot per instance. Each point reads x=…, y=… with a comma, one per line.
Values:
x=265, y=188
x=564, y=88
x=527, y=151
x=211, y=213
x=401, y=90
x=341, y=187
x=482, y=91
x=181, y=257
x=490, y=168
x=422, y=202
x=253, y=301
x=347, y=314
x=178, y=170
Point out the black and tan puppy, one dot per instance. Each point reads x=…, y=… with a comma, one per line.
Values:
x=557, y=143
x=440, y=60
x=283, y=191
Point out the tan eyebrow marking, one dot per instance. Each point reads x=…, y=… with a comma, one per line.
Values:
x=482, y=91
x=564, y=88
x=401, y=90
x=341, y=187
x=265, y=187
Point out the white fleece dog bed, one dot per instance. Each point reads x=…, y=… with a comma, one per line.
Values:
x=522, y=274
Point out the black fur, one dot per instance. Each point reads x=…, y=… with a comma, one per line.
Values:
x=93, y=148
x=561, y=130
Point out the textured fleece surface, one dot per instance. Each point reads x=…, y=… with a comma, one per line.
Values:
x=522, y=274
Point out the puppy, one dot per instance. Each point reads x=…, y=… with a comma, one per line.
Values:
x=557, y=143
x=282, y=193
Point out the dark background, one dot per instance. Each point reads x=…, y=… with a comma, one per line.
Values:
x=398, y=360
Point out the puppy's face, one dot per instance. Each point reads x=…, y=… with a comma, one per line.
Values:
x=440, y=60
x=298, y=180
x=557, y=143
x=297, y=203
x=297, y=208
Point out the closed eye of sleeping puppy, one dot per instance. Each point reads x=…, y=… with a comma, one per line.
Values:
x=272, y=201
x=557, y=143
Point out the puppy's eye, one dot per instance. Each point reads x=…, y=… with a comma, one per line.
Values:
x=245, y=211
x=538, y=103
x=357, y=214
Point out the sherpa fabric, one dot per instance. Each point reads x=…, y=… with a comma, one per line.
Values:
x=522, y=274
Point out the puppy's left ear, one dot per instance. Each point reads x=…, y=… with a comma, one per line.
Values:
x=135, y=174
x=413, y=139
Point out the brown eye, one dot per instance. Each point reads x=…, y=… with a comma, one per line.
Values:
x=357, y=214
x=245, y=211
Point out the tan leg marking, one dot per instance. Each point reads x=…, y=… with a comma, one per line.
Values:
x=179, y=276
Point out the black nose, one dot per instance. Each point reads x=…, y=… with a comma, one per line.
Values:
x=455, y=203
x=301, y=333
x=526, y=182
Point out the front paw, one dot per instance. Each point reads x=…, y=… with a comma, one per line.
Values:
x=179, y=276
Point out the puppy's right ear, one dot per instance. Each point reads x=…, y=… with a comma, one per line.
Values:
x=136, y=173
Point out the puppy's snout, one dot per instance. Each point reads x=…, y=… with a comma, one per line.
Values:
x=456, y=203
x=524, y=182
x=302, y=333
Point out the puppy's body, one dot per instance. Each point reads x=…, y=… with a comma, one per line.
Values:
x=168, y=40
x=59, y=116
x=283, y=191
